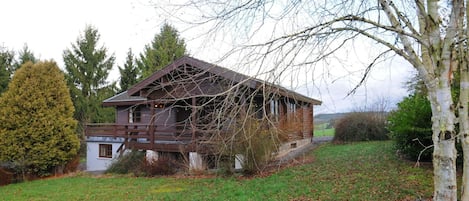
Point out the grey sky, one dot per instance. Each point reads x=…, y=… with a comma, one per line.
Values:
x=48, y=27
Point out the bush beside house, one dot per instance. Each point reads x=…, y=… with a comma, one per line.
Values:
x=361, y=126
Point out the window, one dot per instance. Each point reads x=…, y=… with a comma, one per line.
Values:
x=105, y=150
x=292, y=108
x=274, y=109
x=135, y=115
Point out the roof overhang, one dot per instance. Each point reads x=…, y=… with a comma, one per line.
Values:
x=123, y=99
x=131, y=96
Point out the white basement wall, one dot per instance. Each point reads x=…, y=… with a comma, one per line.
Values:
x=93, y=161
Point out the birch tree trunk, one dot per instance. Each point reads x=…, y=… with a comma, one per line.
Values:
x=444, y=164
x=444, y=152
x=443, y=127
x=464, y=124
x=438, y=58
x=463, y=105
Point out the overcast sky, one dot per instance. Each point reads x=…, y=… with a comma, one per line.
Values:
x=48, y=27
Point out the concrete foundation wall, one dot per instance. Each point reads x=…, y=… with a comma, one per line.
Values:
x=195, y=161
x=96, y=163
x=293, y=145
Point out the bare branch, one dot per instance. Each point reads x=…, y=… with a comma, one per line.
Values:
x=367, y=71
x=425, y=148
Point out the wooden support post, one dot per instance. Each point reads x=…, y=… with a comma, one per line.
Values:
x=152, y=125
x=114, y=131
x=193, y=121
x=126, y=139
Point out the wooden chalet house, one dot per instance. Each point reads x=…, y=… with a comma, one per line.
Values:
x=179, y=109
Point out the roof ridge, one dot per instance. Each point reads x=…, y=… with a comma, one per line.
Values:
x=218, y=70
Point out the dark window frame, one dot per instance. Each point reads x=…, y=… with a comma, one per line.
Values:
x=105, y=150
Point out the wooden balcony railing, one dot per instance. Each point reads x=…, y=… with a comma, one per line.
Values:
x=138, y=131
x=145, y=136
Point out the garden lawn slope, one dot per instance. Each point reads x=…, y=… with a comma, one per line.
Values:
x=359, y=171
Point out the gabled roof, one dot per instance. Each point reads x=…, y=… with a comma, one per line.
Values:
x=133, y=92
x=205, y=66
x=123, y=99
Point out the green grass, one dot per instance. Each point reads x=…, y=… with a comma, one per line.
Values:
x=324, y=132
x=321, y=130
x=360, y=171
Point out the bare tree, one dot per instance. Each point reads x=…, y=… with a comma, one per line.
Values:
x=228, y=116
x=431, y=35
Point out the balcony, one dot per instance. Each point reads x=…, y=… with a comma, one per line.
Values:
x=145, y=136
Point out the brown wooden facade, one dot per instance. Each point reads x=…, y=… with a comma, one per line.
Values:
x=178, y=108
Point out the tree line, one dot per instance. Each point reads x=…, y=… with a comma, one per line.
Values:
x=43, y=108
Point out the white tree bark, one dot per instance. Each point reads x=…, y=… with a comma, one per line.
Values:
x=444, y=164
x=434, y=66
x=436, y=56
x=464, y=125
x=444, y=152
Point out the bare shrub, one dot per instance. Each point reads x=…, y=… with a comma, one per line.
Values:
x=72, y=165
x=161, y=166
x=361, y=126
x=127, y=163
x=255, y=142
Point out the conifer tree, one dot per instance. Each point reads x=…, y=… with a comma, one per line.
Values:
x=87, y=67
x=24, y=56
x=129, y=72
x=164, y=49
x=37, y=129
x=6, y=66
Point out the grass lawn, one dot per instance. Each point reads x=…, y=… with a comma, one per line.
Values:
x=359, y=171
x=324, y=132
x=321, y=130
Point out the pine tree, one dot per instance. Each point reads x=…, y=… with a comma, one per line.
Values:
x=164, y=49
x=6, y=66
x=25, y=55
x=129, y=72
x=88, y=67
x=37, y=129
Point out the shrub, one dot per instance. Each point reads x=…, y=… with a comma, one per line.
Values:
x=128, y=163
x=37, y=129
x=72, y=165
x=135, y=162
x=252, y=139
x=361, y=126
x=410, y=127
x=256, y=144
x=330, y=124
x=162, y=166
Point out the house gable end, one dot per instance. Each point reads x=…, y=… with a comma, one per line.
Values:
x=225, y=73
x=195, y=63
